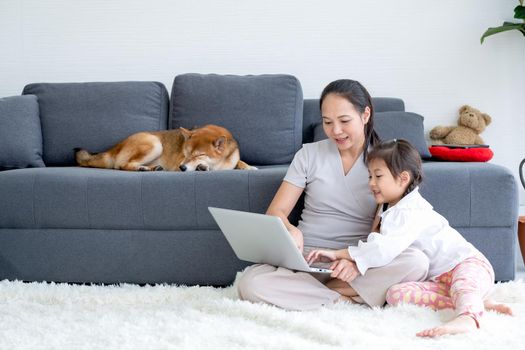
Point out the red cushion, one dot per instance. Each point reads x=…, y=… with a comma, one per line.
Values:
x=481, y=154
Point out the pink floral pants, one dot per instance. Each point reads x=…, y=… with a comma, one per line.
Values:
x=464, y=289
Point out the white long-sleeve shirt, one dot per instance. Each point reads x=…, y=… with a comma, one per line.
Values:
x=412, y=222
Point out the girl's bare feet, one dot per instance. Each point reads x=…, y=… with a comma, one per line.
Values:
x=460, y=324
x=501, y=308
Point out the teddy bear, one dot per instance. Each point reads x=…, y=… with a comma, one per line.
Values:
x=471, y=123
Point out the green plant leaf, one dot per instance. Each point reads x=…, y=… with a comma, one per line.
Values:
x=519, y=12
x=505, y=27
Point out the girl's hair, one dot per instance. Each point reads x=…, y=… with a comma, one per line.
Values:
x=358, y=96
x=399, y=155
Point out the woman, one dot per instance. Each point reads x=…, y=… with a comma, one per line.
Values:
x=338, y=211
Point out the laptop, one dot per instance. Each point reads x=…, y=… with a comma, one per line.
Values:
x=261, y=239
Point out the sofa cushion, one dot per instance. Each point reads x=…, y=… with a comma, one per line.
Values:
x=263, y=112
x=95, y=116
x=471, y=194
x=88, y=198
x=20, y=133
x=402, y=125
x=82, y=198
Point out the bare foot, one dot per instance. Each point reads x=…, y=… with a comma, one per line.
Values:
x=460, y=324
x=501, y=308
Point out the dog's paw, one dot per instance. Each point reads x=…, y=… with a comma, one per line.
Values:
x=247, y=167
x=158, y=168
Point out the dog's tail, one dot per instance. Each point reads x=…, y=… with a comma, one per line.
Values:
x=84, y=158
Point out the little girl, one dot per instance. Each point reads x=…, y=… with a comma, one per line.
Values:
x=459, y=277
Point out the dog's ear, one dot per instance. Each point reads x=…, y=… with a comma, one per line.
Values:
x=185, y=132
x=219, y=143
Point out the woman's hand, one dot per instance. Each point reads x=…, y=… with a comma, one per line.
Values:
x=297, y=236
x=345, y=270
x=321, y=256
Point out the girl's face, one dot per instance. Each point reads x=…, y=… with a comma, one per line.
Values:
x=342, y=123
x=384, y=186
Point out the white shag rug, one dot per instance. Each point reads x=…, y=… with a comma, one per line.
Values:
x=61, y=316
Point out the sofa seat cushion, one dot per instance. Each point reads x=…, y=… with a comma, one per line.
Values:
x=467, y=194
x=20, y=133
x=82, y=198
x=471, y=194
x=263, y=112
x=95, y=116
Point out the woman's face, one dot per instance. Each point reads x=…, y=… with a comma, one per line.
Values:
x=342, y=123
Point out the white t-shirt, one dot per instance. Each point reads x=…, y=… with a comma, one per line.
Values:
x=412, y=222
x=338, y=208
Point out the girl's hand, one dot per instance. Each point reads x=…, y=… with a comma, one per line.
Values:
x=345, y=270
x=297, y=236
x=320, y=255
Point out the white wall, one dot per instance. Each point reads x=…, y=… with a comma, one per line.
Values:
x=426, y=52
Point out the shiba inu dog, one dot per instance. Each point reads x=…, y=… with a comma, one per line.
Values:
x=210, y=147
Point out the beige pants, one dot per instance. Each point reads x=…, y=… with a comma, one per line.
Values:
x=304, y=291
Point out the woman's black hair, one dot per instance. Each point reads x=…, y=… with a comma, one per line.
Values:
x=358, y=96
x=399, y=155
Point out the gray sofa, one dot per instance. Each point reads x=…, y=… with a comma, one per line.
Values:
x=62, y=223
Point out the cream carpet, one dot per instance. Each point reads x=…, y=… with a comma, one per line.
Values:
x=61, y=316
